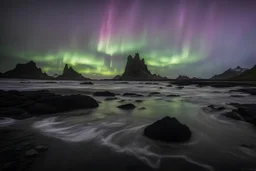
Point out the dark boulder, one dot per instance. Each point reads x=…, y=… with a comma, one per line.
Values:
x=104, y=93
x=126, y=106
x=35, y=95
x=11, y=100
x=67, y=103
x=23, y=104
x=14, y=113
x=180, y=87
x=215, y=108
x=169, y=130
x=41, y=108
x=245, y=112
x=41, y=148
x=233, y=115
x=31, y=153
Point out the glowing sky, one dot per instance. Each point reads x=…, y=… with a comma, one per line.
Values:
x=189, y=37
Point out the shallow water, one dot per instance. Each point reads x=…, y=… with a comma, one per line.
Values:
x=216, y=140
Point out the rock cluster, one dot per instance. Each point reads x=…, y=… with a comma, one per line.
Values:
x=22, y=104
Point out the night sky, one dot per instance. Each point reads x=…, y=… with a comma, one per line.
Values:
x=189, y=37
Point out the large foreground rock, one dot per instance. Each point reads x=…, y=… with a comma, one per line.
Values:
x=169, y=130
x=26, y=103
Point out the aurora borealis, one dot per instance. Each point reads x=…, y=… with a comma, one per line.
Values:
x=189, y=37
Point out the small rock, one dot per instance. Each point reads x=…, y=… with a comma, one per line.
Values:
x=172, y=95
x=31, y=153
x=149, y=83
x=180, y=87
x=124, y=82
x=169, y=85
x=104, y=93
x=132, y=94
x=154, y=93
x=138, y=101
x=111, y=98
x=121, y=101
x=142, y=108
x=41, y=148
x=216, y=108
x=88, y=83
x=126, y=106
x=237, y=96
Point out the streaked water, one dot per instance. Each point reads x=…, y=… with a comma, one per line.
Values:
x=215, y=144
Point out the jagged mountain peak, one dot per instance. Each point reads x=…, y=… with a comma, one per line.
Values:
x=70, y=74
x=137, y=69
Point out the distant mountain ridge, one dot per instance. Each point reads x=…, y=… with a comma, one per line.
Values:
x=182, y=77
x=27, y=71
x=117, y=77
x=249, y=75
x=230, y=73
x=31, y=71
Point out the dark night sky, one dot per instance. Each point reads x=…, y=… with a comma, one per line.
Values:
x=192, y=37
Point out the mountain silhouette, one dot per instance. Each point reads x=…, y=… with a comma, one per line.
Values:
x=27, y=71
x=230, y=73
x=70, y=74
x=182, y=77
x=137, y=69
x=249, y=74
